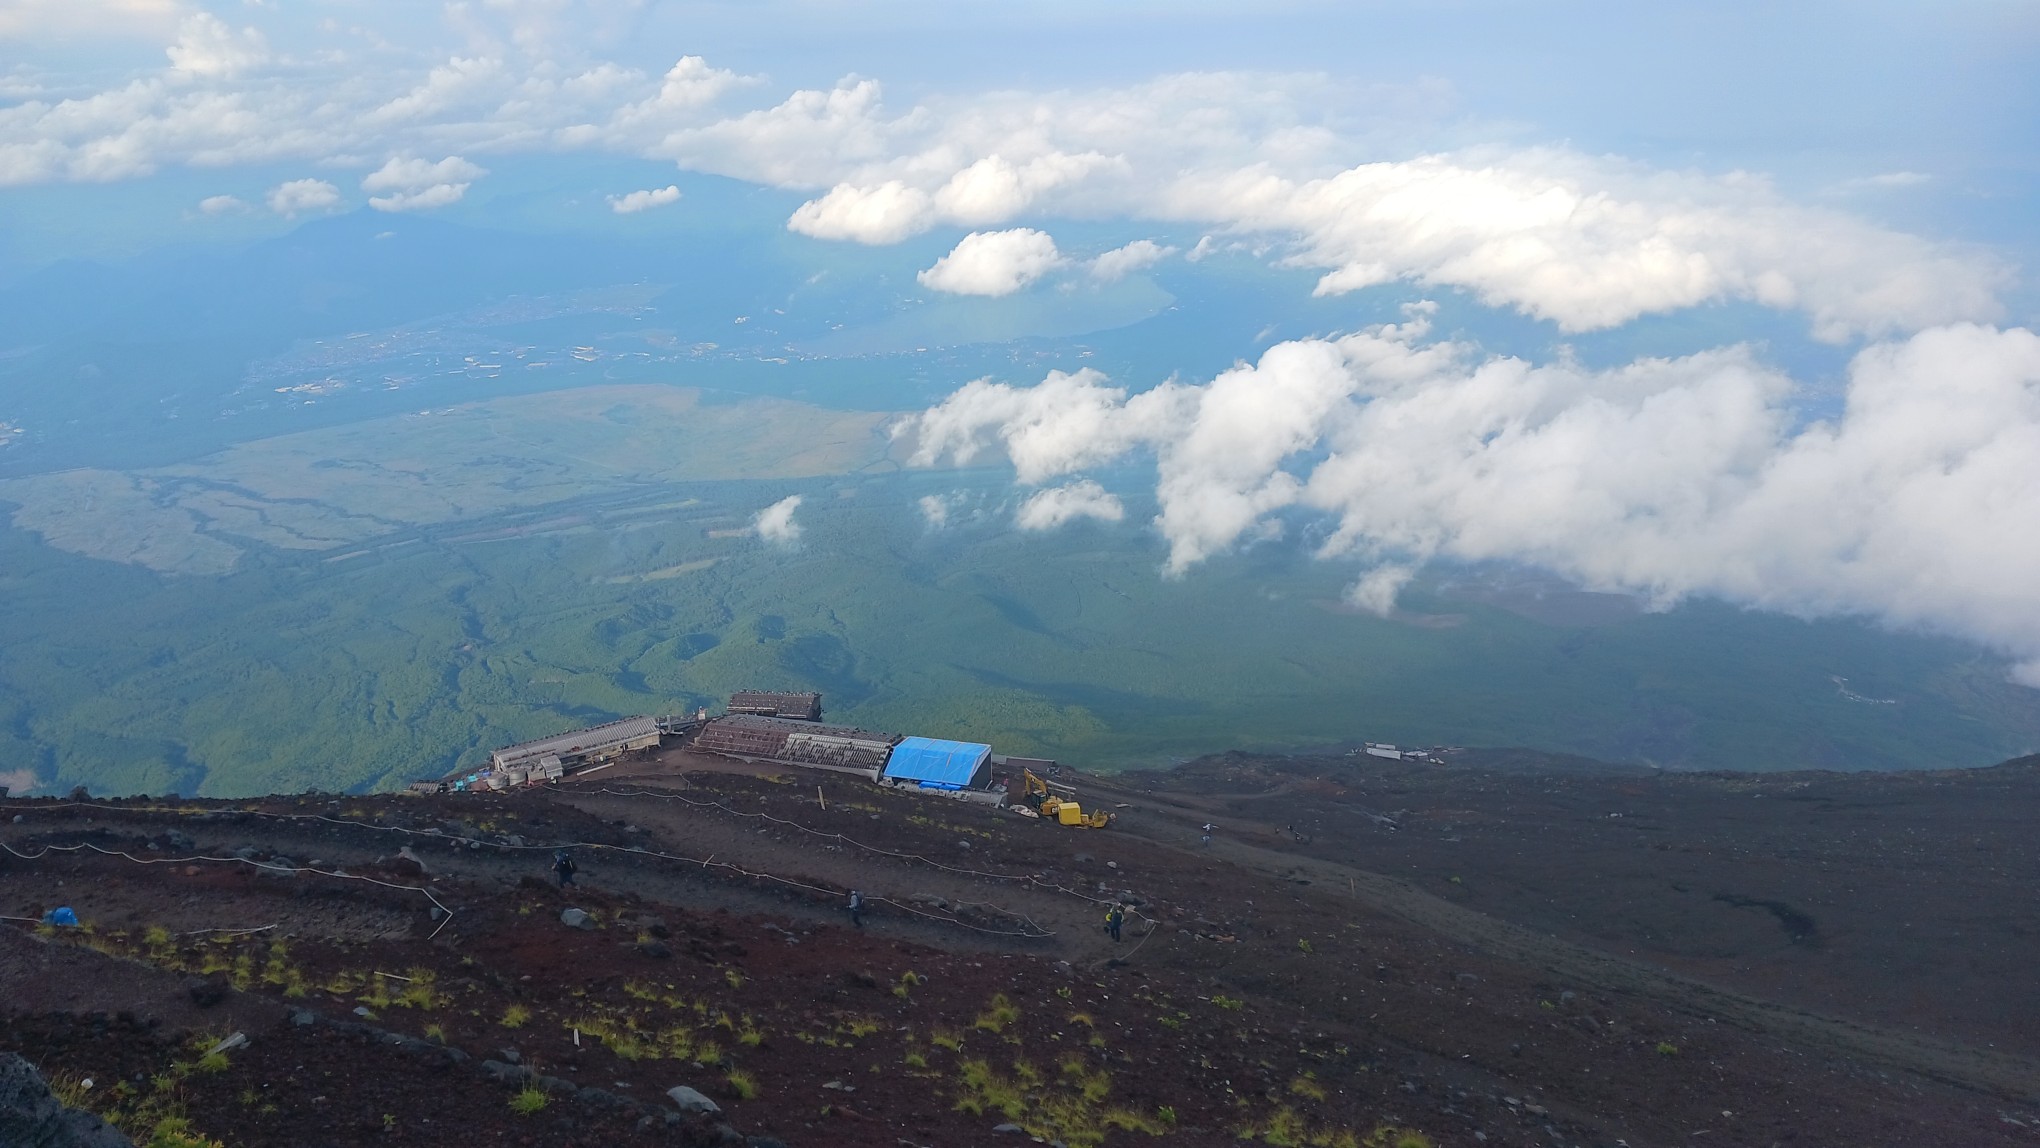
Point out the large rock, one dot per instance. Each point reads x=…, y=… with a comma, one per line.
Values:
x=688, y=1100
x=577, y=919
x=31, y=1118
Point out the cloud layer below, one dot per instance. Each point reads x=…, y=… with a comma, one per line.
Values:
x=1281, y=161
x=1666, y=477
x=775, y=523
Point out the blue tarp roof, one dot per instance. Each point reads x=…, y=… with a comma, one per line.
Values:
x=930, y=761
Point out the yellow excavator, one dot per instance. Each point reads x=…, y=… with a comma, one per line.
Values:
x=1054, y=807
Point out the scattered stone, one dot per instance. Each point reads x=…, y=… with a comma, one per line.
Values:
x=1007, y=1128
x=362, y=1010
x=510, y=1055
x=658, y=950
x=301, y=1017
x=839, y=1086
x=688, y=1100
x=576, y=919
x=763, y=1142
x=206, y=992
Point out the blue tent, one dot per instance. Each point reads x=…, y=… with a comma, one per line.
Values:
x=936, y=764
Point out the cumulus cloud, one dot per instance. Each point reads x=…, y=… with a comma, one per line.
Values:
x=1048, y=509
x=206, y=46
x=638, y=201
x=993, y=263
x=775, y=523
x=302, y=195
x=887, y=213
x=1591, y=244
x=1264, y=160
x=1120, y=262
x=1377, y=589
x=58, y=18
x=221, y=205
x=1664, y=477
x=935, y=509
x=413, y=184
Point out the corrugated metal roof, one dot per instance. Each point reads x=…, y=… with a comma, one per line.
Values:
x=930, y=761
x=597, y=738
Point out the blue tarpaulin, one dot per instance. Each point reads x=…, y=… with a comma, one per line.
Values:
x=935, y=763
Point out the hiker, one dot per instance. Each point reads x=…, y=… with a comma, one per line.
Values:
x=1206, y=839
x=564, y=868
x=856, y=908
x=1115, y=917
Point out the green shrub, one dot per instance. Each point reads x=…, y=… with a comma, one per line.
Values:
x=529, y=1101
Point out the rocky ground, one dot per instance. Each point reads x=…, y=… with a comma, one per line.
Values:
x=1367, y=952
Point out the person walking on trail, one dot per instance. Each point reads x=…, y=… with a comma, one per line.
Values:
x=1206, y=839
x=856, y=909
x=564, y=868
x=1114, y=918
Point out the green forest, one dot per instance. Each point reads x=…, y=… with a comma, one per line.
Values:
x=371, y=666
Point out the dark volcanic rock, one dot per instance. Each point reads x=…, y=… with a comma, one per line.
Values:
x=207, y=992
x=32, y=1118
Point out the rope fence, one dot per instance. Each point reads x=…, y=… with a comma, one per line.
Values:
x=432, y=834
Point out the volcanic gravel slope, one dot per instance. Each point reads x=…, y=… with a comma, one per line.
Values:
x=1326, y=983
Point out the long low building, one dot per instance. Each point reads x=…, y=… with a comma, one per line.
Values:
x=768, y=703
x=750, y=737
x=578, y=749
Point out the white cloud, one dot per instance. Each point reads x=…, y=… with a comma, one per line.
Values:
x=1667, y=477
x=206, y=46
x=994, y=190
x=221, y=205
x=1120, y=262
x=409, y=174
x=686, y=91
x=1048, y=509
x=418, y=185
x=775, y=523
x=638, y=201
x=993, y=263
x=423, y=199
x=20, y=19
x=887, y=213
x=935, y=509
x=1592, y=244
x=1377, y=589
x=1264, y=161
x=301, y=195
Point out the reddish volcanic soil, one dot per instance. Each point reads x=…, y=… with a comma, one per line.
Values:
x=1471, y=954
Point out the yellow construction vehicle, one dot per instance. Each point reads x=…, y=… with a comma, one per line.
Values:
x=1057, y=808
